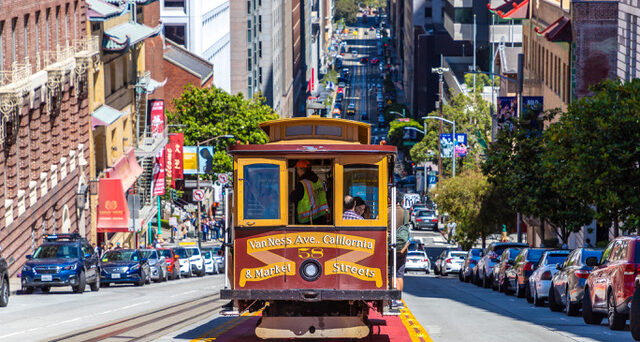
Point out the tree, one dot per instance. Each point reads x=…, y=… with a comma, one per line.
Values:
x=210, y=112
x=346, y=10
x=597, y=142
x=474, y=204
x=482, y=80
x=397, y=132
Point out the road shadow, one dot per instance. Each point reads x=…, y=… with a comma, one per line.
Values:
x=450, y=288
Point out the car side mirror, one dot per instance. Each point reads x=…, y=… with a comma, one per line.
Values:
x=29, y=257
x=591, y=261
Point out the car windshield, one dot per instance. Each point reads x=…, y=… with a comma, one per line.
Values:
x=165, y=253
x=416, y=254
x=513, y=252
x=458, y=255
x=120, y=256
x=587, y=253
x=207, y=255
x=147, y=254
x=181, y=252
x=556, y=258
x=56, y=251
x=534, y=254
x=193, y=251
x=424, y=213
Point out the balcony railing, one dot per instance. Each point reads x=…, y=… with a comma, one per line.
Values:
x=18, y=75
x=87, y=46
x=61, y=57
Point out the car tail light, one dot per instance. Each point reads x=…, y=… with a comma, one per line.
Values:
x=425, y=259
x=631, y=269
x=434, y=220
x=584, y=274
x=418, y=220
x=528, y=266
x=448, y=261
x=546, y=275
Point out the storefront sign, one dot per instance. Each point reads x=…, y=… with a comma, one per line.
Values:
x=158, y=174
x=156, y=117
x=113, y=210
x=175, y=145
x=126, y=169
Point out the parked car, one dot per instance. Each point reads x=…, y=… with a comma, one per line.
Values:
x=489, y=259
x=502, y=267
x=4, y=282
x=364, y=60
x=62, y=260
x=196, y=260
x=351, y=109
x=124, y=266
x=415, y=208
x=567, y=285
x=540, y=279
x=609, y=288
x=184, y=261
x=425, y=219
x=157, y=264
x=417, y=261
x=171, y=259
x=523, y=266
x=339, y=96
x=449, y=261
x=634, y=313
x=469, y=263
x=218, y=256
x=210, y=265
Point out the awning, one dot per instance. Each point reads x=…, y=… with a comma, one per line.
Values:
x=558, y=31
x=104, y=116
x=113, y=210
x=124, y=35
x=515, y=9
x=126, y=169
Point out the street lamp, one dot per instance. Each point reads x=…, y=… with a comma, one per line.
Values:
x=198, y=177
x=394, y=112
x=440, y=71
x=454, y=137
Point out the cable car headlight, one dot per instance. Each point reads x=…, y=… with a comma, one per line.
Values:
x=310, y=270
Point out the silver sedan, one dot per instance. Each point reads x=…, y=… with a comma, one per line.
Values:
x=157, y=264
x=540, y=279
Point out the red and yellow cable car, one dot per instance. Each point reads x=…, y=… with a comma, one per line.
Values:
x=317, y=276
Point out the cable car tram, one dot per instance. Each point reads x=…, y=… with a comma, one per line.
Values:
x=315, y=270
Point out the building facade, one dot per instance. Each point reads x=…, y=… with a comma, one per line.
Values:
x=628, y=66
x=45, y=58
x=202, y=27
x=182, y=67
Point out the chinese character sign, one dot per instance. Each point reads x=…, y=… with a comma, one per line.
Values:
x=176, y=142
x=446, y=145
x=158, y=174
x=156, y=117
x=461, y=145
x=507, y=111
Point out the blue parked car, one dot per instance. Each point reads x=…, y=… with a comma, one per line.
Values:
x=469, y=263
x=125, y=266
x=62, y=260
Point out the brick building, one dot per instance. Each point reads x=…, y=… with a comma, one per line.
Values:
x=182, y=68
x=44, y=126
x=628, y=29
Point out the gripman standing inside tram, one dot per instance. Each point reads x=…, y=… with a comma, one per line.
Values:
x=309, y=196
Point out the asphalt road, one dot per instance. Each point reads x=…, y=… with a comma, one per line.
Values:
x=453, y=311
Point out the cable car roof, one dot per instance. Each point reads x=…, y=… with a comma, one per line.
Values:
x=292, y=130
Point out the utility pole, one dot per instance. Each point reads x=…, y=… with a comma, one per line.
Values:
x=519, y=113
x=440, y=71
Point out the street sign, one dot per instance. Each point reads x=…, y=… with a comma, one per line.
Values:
x=198, y=195
x=223, y=178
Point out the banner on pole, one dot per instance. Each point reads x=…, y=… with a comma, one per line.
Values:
x=446, y=145
x=156, y=117
x=461, y=145
x=158, y=174
x=507, y=111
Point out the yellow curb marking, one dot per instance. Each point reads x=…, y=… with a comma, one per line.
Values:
x=415, y=330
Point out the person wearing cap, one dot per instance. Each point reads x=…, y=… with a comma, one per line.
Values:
x=309, y=196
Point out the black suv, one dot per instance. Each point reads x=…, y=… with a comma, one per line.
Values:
x=4, y=282
x=62, y=260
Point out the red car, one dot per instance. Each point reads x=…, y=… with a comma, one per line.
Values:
x=340, y=90
x=375, y=60
x=609, y=288
x=173, y=265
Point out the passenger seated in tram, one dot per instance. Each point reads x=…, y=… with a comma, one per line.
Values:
x=350, y=209
x=309, y=196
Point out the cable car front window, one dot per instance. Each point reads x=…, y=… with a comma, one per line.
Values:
x=361, y=180
x=261, y=192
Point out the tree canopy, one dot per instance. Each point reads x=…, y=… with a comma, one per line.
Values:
x=346, y=10
x=210, y=112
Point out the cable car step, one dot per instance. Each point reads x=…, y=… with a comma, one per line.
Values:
x=312, y=327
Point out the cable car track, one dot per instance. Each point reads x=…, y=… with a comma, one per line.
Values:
x=149, y=325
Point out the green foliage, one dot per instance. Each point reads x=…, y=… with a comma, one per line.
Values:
x=482, y=80
x=210, y=112
x=396, y=132
x=372, y=3
x=346, y=10
x=331, y=75
x=475, y=204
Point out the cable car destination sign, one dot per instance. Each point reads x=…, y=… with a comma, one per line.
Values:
x=311, y=245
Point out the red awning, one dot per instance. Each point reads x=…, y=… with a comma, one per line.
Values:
x=515, y=9
x=126, y=169
x=558, y=31
x=113, y=210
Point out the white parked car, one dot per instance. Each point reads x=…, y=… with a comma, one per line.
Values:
x=184, y=260
x=210, y=264
x=449, y=262
x=417, y=261
x=540, y=279
x=197, y=261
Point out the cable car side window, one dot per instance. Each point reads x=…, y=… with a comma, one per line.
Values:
x=361, y=182
x=261, y=192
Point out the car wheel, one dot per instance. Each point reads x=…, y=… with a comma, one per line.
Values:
x=443, y=273
x=572, y=309
x=519, y=290
x=588, y=315
x=527, y=293
x=27, y=289
x=4, y=292
x=487, y=282
x=634, y=315
x=202, y=272
x=460, y=277
x=95, y=286
x=553, y=303
x=82, y=284
x=617, y=321
x=45, y=289
x=166, y=276
x=142, y=280
x=148, y=280
x=426, y=271
x=537, y=301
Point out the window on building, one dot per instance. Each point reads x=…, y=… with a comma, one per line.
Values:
x=37, y=34
x=66, y=23
x=57, y=25
x=26, y=36
x=1, y=45
x=125, y=71
x=260, y=49
x=175, y=33
x=249, y=31
x=112, y=77
x=259, y=23
x=248, y=6
x=174, y=3
x=48, y=36
x=249, y=60
x=259, y=74
x=14, y=23
x=75, y=20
